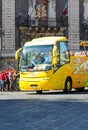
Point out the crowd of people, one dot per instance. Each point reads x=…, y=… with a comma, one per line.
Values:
x=8, y=80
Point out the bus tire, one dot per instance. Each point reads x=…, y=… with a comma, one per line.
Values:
x=39, y=91
x=68, y=85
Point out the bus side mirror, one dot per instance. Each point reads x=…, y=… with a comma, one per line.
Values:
x=18, y=53
x=55, y=55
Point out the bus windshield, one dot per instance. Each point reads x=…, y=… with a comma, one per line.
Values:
x=36, y=58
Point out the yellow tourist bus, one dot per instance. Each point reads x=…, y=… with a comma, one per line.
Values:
x=46, y=64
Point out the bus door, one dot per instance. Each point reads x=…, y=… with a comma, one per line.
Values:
x=63, y=58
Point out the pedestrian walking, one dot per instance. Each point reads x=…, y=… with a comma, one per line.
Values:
x=14, y=81
x=2, y=80
x=10, y=79
x=7, y=83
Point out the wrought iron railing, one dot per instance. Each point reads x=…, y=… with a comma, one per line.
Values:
x=44, y=22
x=85, y=29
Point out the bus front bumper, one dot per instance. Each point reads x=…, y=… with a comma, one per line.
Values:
x=36, y=84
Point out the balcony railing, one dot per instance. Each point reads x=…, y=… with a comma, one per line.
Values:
x=44, y=22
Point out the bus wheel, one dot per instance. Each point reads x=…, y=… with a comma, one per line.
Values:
x=39, y=91
x=68, y=85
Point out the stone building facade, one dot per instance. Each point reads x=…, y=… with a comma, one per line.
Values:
x=9, y=33
x=7, y=49
x=15, y=32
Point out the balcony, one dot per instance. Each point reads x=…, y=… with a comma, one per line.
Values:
x=31, y=27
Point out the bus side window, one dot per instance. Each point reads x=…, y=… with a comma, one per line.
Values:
x=58, y=55
x=64, y=53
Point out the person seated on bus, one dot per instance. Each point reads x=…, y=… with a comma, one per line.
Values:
x=39, y=59
x=48, y=58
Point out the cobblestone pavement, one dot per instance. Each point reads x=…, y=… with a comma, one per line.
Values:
x=47, y=111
